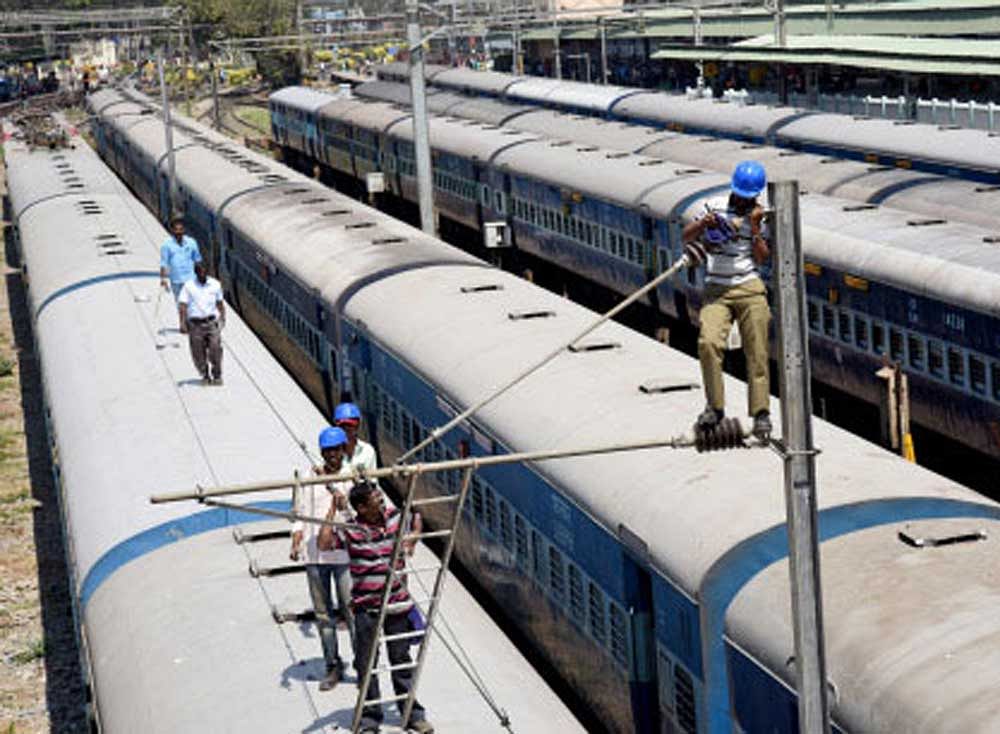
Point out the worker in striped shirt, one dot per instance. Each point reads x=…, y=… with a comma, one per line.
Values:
x=369, y=544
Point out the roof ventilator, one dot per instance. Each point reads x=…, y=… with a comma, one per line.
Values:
x=751, y=146
x=992, y=239
x=686, y=171
x=336, y=212
x=596, y=346
x=481, y=288
x=652, y=162
x=876, y=169
x=859, y=207
x=388, y=240
x=788, y=153
x=359, y=225
x=950, y=127
x=925, y=222
x=986, y=189
x=915, y=539
x=831, y=160
x=904, y=122
x=530, y=314
x=295, y=191
x=559, y=143
x=654, y=387
x=619, y=154
x=586, y=149
x=318, y=200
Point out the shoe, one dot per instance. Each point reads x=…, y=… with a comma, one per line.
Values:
x=331, y=680
x=217, y=382
x=709, y=418
x=762, y=425
x=206, y=380
x=422, y=727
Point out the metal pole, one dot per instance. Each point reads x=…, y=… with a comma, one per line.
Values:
x=557, y=60
x=168, y=132
x=780, y=34
x=604, y=50
x=681, y=441
x=829, y=17
x=421, y=134
x=800, y=461
x=586, y=60
x=699, y=40
x=216, y=117
x=302, y=46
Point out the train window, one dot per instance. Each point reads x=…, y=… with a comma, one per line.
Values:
x=520, y=541
x=915, y=347
x=557, y=580
x=977, y=375
x=499, y=201
x=490, y=511
x=995, y=379
x=598, y=628
x=895, y=345
x=537, y=557
x=935, y=358
x=619, y=635
x=845, y=326
x=506, y=531
x=813, y=310
x=956, y=366
x=532, y=214
x=684, y=703
x=861, y=332
x=829, y=324
x=477, y=500
x=878, y=337
x=577, y=609
x=633, y=255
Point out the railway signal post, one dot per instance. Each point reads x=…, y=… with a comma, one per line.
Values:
x=799, y=455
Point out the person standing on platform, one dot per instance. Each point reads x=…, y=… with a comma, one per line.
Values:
x=370, y=548
x=731, y=240
x=326, y=569
x=360, y=454
x=177, y=257
x=203, y=317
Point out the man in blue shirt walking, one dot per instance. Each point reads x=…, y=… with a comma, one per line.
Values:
x=177, y=257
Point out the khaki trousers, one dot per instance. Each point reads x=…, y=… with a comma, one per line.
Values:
x=205, y=339
x=747, y=303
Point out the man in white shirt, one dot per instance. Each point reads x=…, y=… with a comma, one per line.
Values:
x=203, y=316
x=325, y=567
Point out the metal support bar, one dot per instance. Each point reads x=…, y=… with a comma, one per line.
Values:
x=800, y=464
x=412, y=470
x=208, y=499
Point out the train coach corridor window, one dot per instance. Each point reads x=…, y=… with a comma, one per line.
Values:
x=520, y=542
x=878, y=338
x=557, y=578
x=619, y=635
x=813, y=311
x=915, y=347
x=935, y=358
x=538, y=557
x=845, y=326
x=829, y=324
x=977, y=375
x=995, y=379
x=956, y=366
x=895, y=345
x=577, y=609
x=861, y=332
x=598, y=625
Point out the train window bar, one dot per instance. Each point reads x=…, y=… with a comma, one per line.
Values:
x=530, y=314
x=596, y=346
x=925, y=222
x=859, y=207
x=654, y=387
x=481, y=288
x=914, y=539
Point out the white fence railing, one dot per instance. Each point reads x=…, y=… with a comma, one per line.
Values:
x=976, y=115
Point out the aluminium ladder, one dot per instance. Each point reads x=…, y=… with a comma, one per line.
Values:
x=385, y=608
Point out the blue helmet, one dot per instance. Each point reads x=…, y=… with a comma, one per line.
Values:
x=330, y=437
x=749, y=179
x=346, y=412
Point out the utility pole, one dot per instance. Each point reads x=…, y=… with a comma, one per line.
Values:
x=556, y=53
x=800, y=461
x=604, y=49
x=168, y=133
x=829, y=17
x=699, y=40
x=781, y=41
x=299, y=13
x=421, y=134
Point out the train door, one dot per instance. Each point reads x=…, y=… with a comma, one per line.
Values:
x=643, y=682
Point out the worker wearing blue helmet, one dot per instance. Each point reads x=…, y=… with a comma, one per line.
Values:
x=326, y=569
x=730, y=239
x=359, y=454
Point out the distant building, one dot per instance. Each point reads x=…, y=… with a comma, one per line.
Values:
x=101, y=52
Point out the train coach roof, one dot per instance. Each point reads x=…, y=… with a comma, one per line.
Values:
x=587, y=130
x=401, y=70
x=726, y=117
x=302, y=98
x=971, y=149
x=364, y=114
x=465, y=79
x=465, y=138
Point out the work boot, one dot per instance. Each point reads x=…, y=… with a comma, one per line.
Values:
x=331, y=680
x=422, y=727
x=709, y=418
x=762, y=425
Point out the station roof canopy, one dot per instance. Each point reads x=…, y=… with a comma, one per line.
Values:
x=909, y=55
x=939, y=18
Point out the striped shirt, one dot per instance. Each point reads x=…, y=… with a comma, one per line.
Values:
x=370, y=550
x=732, y=263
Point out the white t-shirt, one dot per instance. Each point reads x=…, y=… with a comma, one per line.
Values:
x=732, y=263
x=202, y=300
x=314, y=501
